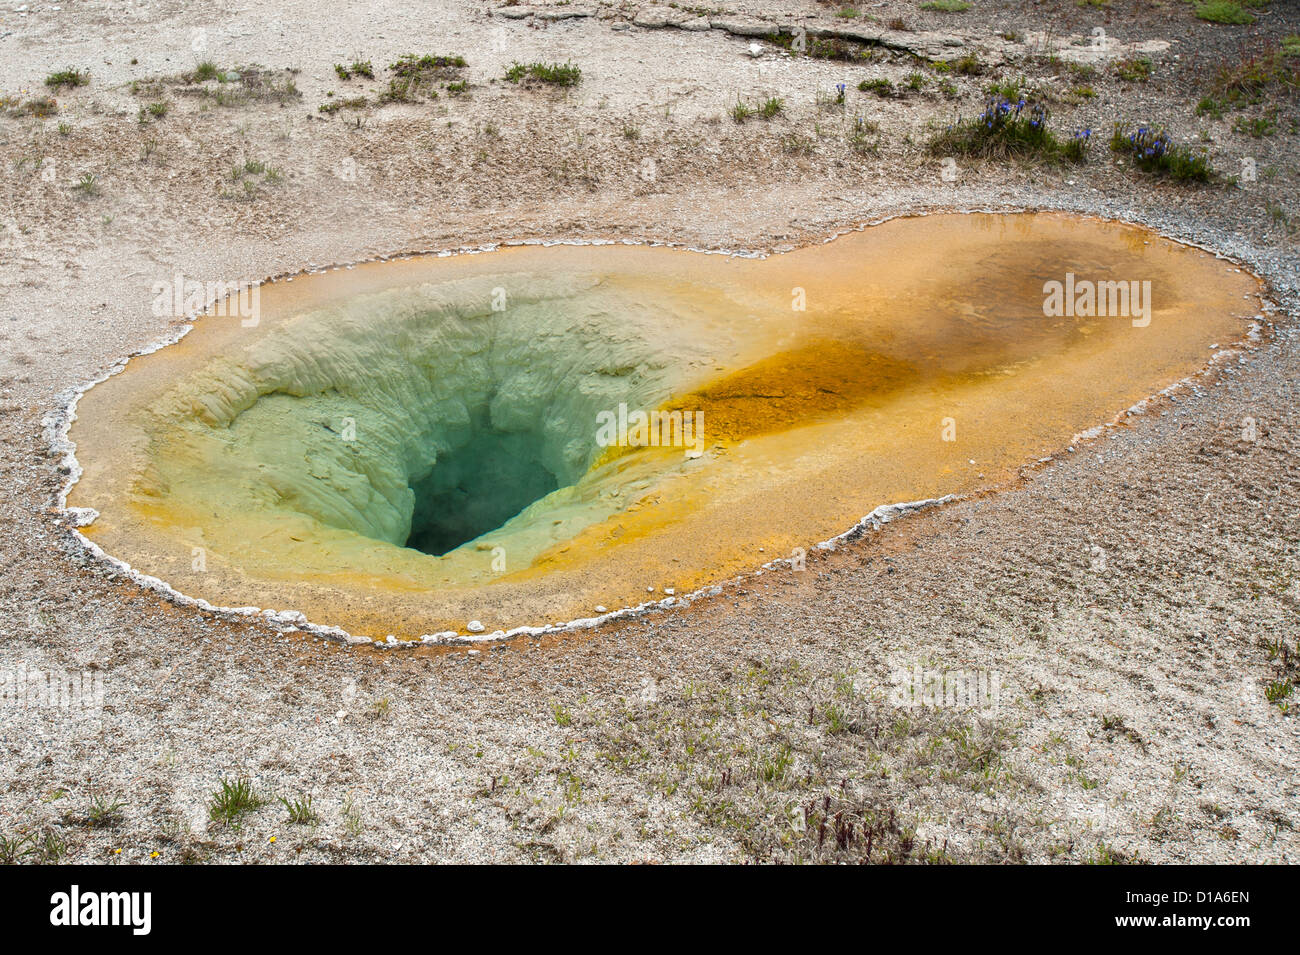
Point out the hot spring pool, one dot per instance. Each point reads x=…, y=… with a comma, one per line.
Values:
x=524, y=435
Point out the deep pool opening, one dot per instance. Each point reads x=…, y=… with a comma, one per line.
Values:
x=376, y=418
x=478, y=486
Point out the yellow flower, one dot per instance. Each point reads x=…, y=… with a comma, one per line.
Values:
x=155, y=854
x=273, y=838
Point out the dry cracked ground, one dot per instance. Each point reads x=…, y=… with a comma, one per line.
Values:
x=1135, y=597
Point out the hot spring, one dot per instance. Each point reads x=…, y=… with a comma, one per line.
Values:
x=524, y=435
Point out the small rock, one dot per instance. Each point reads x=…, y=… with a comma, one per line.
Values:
x=475, y=626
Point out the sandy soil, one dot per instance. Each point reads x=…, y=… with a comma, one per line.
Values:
x=1134, y=596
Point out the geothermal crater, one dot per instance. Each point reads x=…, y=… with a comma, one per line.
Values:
x=523, y=435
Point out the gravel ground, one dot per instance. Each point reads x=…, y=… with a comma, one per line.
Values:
x=1132, y=596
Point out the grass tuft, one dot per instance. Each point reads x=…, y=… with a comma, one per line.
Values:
x=233, y=801
x=300, y=810
x=68, y=77
x=87, y=185
x=1152, y=150
x=1135, y=69
x=103, y=812
x=552, y=74
x=1010, y=129
x=768, y=108
x=1224, y=11
x=207, y=70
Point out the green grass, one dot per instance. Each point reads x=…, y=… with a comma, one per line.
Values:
x=1010, y=90
x=355, y=68
x=15, y=848
x=946, y=6
x=1152, y=150
x=1135, y=69
x=414, y=75
x=352, y=102
x=1278, y=213
x=103, y=812
x=1105, y=855
x=87, y=185
x=1223, y=11
x=1278, y=691
x=1258, y=126
x=561, y=714
x=237, y=87
x=1209, y=106
x=234, y=800
x=864, y=137
x=352, y=821
x=552, y=74
x=68, y=77
x=41, y=107
x=300, y=810
x=49, y=849
x=207, y=70
x=798, y=145
x=786, y=764
x=1255, y=76
x=1291, y=45
x=915, y=83
x=408, y=64
x=768, y=108
x=825, y=48
x=1004, y=132
x=400, y=90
